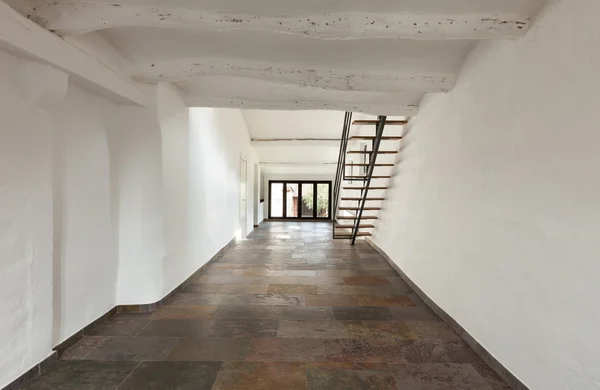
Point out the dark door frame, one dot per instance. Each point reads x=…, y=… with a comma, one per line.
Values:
x=300, y=182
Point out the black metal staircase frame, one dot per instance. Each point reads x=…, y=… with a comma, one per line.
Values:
x=372, y=160
x=341, y=166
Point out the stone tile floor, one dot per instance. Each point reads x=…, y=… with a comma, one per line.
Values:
x=288, y=309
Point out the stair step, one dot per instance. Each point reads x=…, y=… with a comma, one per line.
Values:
x=372, y=137
x=356, y=209
x=375, y=121
x=353, y=217
x=364, y=177
x=352, y=226
x=359, y=234
x=362, y=188
x=366, y=165
x=369, y=152
x=375, y=199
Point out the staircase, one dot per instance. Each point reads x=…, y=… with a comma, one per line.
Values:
x=358, y=189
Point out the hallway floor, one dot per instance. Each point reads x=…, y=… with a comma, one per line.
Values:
x=288, y=309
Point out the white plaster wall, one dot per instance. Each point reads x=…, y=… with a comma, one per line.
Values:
x=58, y=260
x=494, y=210
x=85, y=251
x=218, y=140
x=25, y=227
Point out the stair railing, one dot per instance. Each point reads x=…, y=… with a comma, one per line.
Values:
x=373, y=158
x=341, y=166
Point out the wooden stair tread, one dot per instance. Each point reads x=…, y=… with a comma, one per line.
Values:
x=363, y=188
x=372, y=137
x=356, y=208
x=366, y=165
x=352, y=226
x=364, y=177
x=375, y=121
x=369, y=152
x=359, y=234
x=361, y=198
x=353, y=217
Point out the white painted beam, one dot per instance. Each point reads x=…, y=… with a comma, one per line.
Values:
x=190, y=70
x=79, y=17
x=388, y=108
x=25, y=37
x=312, y=143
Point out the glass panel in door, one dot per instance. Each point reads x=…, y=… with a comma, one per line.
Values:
x=323, y=200
x=276, y=205
x=291, y=206
x=308, y=196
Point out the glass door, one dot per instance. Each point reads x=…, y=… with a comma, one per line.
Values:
x=300, y=199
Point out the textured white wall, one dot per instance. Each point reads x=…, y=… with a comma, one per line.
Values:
x=85, y=251
x=494, y=211
x=58, y=260
x=25, y=227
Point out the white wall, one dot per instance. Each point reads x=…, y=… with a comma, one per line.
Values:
x=494, y=211
x=25, y=227
x=85, y=252
x=58, y=259
x=102, y=204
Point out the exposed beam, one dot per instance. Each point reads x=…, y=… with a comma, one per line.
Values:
x=25, y=37
x=374, y=122
x=192, y=69
x=367, y=108
x=68, y=17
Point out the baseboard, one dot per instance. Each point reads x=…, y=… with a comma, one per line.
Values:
x=504, y=373
x=33, y=372
x=59, y=350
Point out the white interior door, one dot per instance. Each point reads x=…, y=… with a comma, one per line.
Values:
x=243, y=196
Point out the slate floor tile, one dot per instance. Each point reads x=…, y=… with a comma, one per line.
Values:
x=176, y=328
x=84, y=375
x=332, y=300
x=366, y=280
x=311, y=329
x=377, y=330
x=303, y=313
x=243, y=289
x=210, y=349
x=438, y=377
x=261, y=376
x=133, y=348
x=244, y=328
x=119, y=327
x=286, y=350
x=366, y=351
x=173, y=375
x=183, y=313
x=345, y=376
x=493, y=379
x=431, y=330
x=362, y=313
x=292, y=289
x=437, y=351
x=83, y=347
x=245, y=312
x=414, y=314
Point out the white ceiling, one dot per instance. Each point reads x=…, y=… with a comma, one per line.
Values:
x=373, y=56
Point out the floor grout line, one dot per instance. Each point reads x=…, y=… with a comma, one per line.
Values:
x=127, y=377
